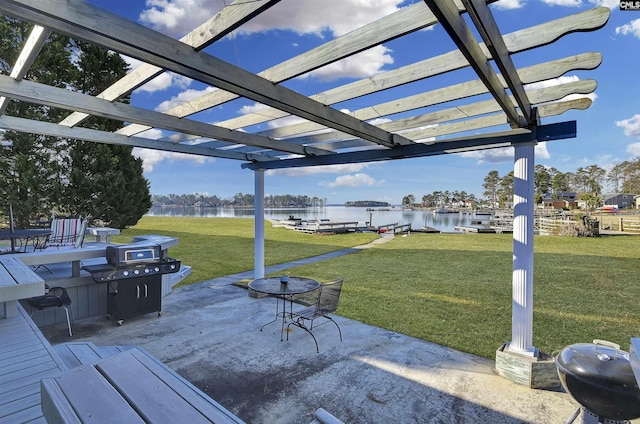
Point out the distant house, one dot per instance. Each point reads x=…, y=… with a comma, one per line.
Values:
x=622, y=200
x=560, y=200
x=569, y=196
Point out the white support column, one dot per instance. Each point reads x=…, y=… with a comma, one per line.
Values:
x=258, y=214
x=523, y=223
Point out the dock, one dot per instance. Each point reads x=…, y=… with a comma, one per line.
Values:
x=321, y=226
x=482, y=229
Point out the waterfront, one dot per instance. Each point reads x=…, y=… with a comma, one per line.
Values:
x=378, y=217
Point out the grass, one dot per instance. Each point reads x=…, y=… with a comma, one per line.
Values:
x=451, y=289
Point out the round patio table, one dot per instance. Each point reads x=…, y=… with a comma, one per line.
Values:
x=273, y=287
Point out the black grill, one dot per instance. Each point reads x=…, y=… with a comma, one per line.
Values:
x=133, y=274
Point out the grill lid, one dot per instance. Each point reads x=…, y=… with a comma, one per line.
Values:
x=131, y=254
x=600, y=378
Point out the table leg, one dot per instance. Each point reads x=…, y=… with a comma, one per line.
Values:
x=276, y=318
x=284, y=316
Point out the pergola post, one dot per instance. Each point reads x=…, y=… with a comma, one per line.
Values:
x=258, y=247
x=523, y=223
x=518, y=360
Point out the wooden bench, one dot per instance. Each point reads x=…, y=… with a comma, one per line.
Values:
x=130, y=387
x=17, y=281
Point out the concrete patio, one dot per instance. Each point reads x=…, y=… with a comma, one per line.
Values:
x=209, y=333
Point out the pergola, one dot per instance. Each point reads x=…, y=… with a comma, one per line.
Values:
x=492, y=110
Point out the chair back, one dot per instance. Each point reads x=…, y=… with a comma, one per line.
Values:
x=68, y=231
x=64, y=230
x=82, y=231
x=330, y=296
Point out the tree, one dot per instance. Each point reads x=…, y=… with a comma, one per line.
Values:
x=408, y=200
x=43, y=174
x=105, y=180
x=33, y=166
x=427, y=201
x=592, y=200
x=542, y=182
x=630, y=175
x=491, y=186
x=505, y=192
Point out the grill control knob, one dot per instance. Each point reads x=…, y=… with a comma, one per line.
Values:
x=125, y=273
x=136, y=271
x=156, y=269
x=147, y=270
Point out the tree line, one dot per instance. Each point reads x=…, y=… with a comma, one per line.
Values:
x=41, y=175
x=590, y=181
x=239, y=200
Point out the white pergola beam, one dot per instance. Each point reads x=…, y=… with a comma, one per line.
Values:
x=57, y=97
x=29, y=52
x=78, y=133
x=462, y=36
x=488, y=29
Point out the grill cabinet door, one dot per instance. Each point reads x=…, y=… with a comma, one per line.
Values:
x=135, y=296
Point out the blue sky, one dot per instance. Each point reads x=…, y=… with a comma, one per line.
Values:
x=608, y=132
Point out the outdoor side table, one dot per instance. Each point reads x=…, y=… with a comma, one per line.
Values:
x=105, y=232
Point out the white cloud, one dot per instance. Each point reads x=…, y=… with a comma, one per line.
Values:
x=633, y=150
x=312, y=16
x=183, y=97
x=509, y=4
x=632, y=28
x=178, y=17
x=361, y=65
x=353, y=180
x=569, y=3
x=503, y=154
x=611, y=4
x=164, y=81
x=151, y=158
x=631, y=126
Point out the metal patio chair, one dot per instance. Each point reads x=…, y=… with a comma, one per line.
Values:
x=56, y=297
x=327, y=303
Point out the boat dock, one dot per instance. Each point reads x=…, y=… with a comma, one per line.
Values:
x=482, y=229
x=321, y=226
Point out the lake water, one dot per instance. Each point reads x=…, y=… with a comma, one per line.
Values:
x=418, y=219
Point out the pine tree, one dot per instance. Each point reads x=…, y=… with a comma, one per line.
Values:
x=105, y=180
x=40, y=175
x=32, y=166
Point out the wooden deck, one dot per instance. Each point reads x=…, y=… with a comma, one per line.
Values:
x=25, y=358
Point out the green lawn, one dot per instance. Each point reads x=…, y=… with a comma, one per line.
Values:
x=451, y=289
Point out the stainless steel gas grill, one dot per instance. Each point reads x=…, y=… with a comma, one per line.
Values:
x=133, y=274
